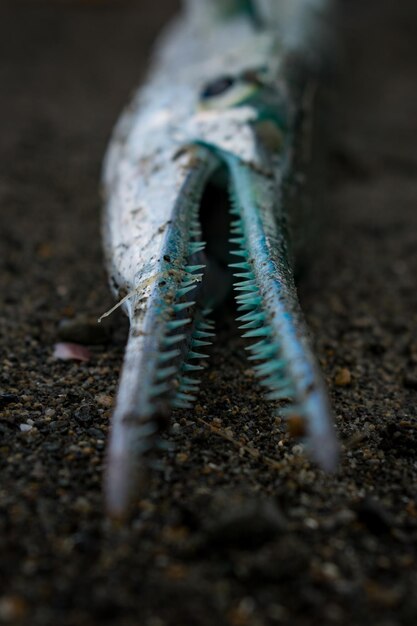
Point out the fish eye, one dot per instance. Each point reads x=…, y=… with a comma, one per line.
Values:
x=217, y=87
x=227, y=92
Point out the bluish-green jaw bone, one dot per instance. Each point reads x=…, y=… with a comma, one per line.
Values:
x=267, y=297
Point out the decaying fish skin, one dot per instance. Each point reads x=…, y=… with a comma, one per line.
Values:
x=219, y=109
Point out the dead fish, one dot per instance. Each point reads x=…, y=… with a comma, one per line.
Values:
x=195, y=172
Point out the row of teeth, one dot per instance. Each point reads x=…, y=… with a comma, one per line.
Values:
x=188, y=386
x=170, y=377
x=272, y=369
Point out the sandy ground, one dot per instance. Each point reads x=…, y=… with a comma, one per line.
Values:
x=235, y=527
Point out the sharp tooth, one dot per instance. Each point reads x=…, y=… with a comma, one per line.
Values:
x=167, y=356
x=243, y=253
x=251, y=317
x=191, y=382
x=196, y=246
x=267, y=353
x=239, y=284
x=158, y=390
x=269, y=350
x=245, y=282
x=269, y=367
x=243, y=298
x=235, y=223
x=183, y=305
x=198, y=343
x=201, y=334
x=169, y=341
x=276, y=384
x=248, y=275
x=166, y=372
x=196, y=355
x=187, y=388
x=239, y=240
x=206, y=325
x=181, y=404
x=186, y=397
x=187, y=367
x=181, y=292
x=282, y=394
x=250, y=304
x=265, y=331
x=241, y=266
x=253, y=324
x=191, y=281
x=250, y=288
x=260, y=345
x=194, y=268
x=174, y=324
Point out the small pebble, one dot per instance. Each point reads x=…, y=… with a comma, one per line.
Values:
x=25, y=428
x=104, y=400
x=296, y=426
x=71, y=352
x=85, y=414
x=330, y=571
x=343, y=377
x=311, y=523
x=12, y=608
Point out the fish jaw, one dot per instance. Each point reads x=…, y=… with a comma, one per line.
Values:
x=167, y=322
x=166, y=329
x=266, y=293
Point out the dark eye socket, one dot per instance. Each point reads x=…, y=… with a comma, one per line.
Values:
x=217, y=87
